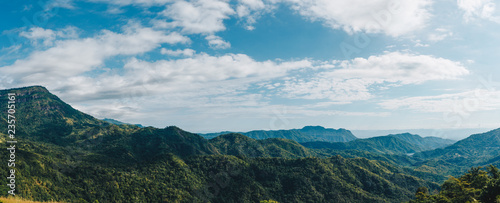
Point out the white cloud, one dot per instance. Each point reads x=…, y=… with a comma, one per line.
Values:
x=203, y=68
x=418, y=43
x=400, y=67
x=460, y=103
x=484, y=9
x=216, y=42
x=199, y=16
x=48, y=36
x=178, y=52
x=145, y=3
x=320, y=87
x=68, y=4
x=394, y=18
x=251, y=10
x=440, y=34
x=202, y=83
x=76, y=56
x=355, y=79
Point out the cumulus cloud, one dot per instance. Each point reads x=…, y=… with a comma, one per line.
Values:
x=400, y=67
x=484, y=9
x=199, y=16
x=440, y=34
x=67, y=4
x=460, y=103
x=394, y=18
x=251, y=10
x=178, y=52
x=48, y=36
x=145, y=3
x=75, y=56
x=216, y=42
x=203, y=68
x=353, y=79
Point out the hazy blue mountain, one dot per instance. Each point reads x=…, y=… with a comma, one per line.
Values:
x=306, y=134
x=383, y=144
x=116, y=122
x=424, y=143
x=405, y=143
x=328, y=134
x=454, y=134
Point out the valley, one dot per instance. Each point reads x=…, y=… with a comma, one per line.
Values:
x=65, y=155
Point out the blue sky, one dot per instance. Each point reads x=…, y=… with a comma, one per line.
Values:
x=214, y=65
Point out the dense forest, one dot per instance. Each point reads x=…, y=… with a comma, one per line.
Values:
x=65, y=155
x=474, y=186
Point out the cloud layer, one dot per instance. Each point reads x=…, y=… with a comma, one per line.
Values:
x=355, y=79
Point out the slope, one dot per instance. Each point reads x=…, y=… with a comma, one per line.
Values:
x=240, y=145
x=306, y=134
x=383, y=144
x=424, y=143
x=476, y=150
x=97, y=160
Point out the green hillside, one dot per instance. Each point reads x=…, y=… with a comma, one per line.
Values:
x=475, y=185
x=306, y=134
x=66, y=155
x=476, y=150
x=391, y=144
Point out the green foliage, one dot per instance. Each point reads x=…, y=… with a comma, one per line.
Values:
x=66, y=155
x=474, y=186
x=391, y=144
x=383, y=144
x=306, y=134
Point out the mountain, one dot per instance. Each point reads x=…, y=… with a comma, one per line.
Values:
x=333, y=179
x=424, y=143
x=306, y=134
x=328, y=134
x=38, y=113
x=405, y=143
x=476, y=150
x=116, y=122
x=240, y=145
x=63, y=154
x=384, y=144
x=473, y=150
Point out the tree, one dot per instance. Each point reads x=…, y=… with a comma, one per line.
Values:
x=422, y=193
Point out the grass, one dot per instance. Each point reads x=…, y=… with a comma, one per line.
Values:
x=18, y=200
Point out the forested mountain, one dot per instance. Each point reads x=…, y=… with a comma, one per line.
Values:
x=65, y=155
x=39, y=113
x=306, y=134
x=390, y=144
x=116, y=122
x=474, y=186
x=476, y=150
x=484, y=146
x=240, y=145
x=424, y=143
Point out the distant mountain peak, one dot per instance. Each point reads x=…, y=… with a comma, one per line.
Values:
x=313, y=127
x=117, y=122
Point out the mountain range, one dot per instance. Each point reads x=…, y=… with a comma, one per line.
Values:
x=306, y=134
x=66, y=155
x=391, y=144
